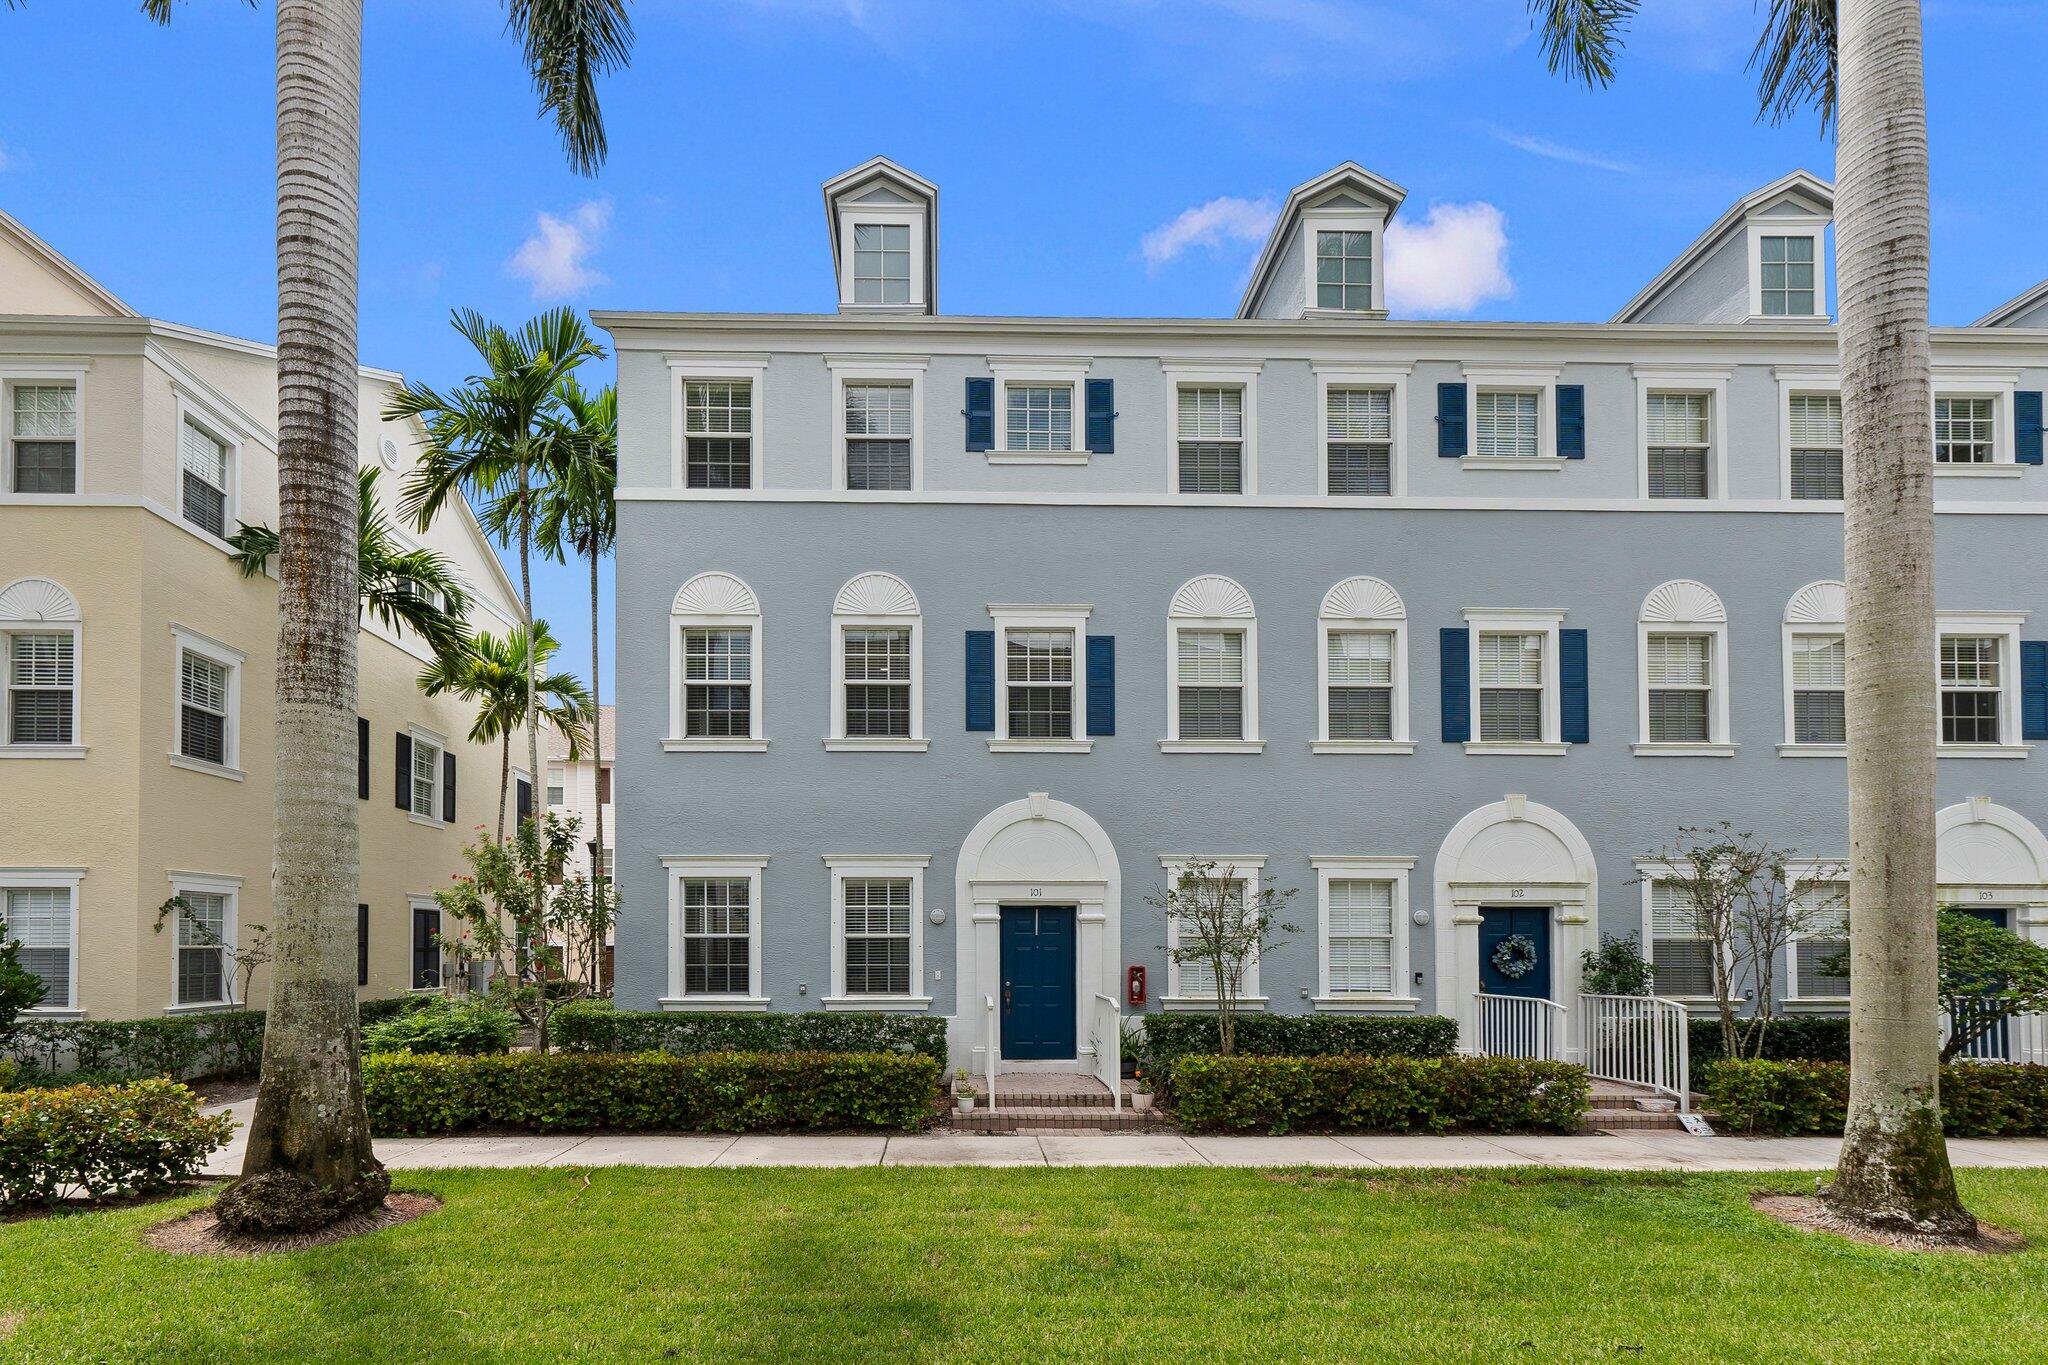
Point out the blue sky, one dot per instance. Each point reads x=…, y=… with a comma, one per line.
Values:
x=1066, y=136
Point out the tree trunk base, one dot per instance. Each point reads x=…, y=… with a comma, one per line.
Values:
x=280, y=1203
x=1894, y=1176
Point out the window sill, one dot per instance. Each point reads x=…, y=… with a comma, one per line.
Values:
x=1813, y=751
x=1037, y=456
x=1982, y=750
x=1366, y=1004
x=882, y=1003
x=200, y=765
x=1193, y=1004
x=427, y=821
x=42, y=751
x=1041, y=746
x=1817, y=1004
x=1362, y=746
x=1482, y=746
x=858, y=745
x=1212, y=746
x=1651, y=748
x=1994, y=470
x=207, y=1007
x=717, y=1004
x=54, y=1012
x=1791, y=319
x=1360, y=314
x=1530, y=462
x=714, y=746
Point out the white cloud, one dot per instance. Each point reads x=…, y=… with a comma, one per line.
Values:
x=1451, y=262
x=1212, y=225
x=1558, y=151
x=555, y=260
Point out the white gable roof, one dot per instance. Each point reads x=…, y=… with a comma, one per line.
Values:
x=2014, y=312
x=1801, y=187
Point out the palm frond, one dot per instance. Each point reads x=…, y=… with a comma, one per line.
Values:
x=569, y=44
x=1581, y=37
x=1795, y=61
x=254, y=547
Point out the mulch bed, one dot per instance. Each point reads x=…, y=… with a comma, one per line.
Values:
x=199, y=1234
x=1809, y=1214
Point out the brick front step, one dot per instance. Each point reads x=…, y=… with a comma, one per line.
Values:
x=1055, y=1118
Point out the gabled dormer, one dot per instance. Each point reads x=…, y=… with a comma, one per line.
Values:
x=1765, y=260
x=2028, y=310
x=1327, y=255
x=884, y=222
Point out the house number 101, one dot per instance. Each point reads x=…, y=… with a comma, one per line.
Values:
x=1037, y=891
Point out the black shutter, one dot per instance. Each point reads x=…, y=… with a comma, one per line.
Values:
x=1101, y=426
x=362, y=758
x=448, y=786
x=362, y=945
x=524, y=803
x=402, y=780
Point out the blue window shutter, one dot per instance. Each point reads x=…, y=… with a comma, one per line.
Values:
x=1574, y=700
x=1102, y=416
x=1450, y=421
x=1457, y=684
x=1571, y=421
x=2026, y=427
x=2034, y=689
x=1101, y=684
x=981, y=679
x=981, y=414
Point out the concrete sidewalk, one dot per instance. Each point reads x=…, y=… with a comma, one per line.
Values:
x=1649, y=1151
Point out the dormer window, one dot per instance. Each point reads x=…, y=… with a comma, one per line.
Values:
x=1344, y=270
x=1326, y=256
x=1788, y=269
x=884, y=222
x=881, y=263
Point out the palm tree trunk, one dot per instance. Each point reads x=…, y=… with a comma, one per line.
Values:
x=504, y=778
x=598, y=881
x=1894, y=1167
x=309, y=1160
x=532, y=649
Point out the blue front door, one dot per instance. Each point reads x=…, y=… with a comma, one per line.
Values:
x=1995, y=1044
x=1038, y=982
x=1497, y=924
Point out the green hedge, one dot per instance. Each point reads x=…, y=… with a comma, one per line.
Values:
x=1802, y=1038
x=227, y=1044
x=98, y=1143
x=723, y=1092
x=594, y=1026
x=1170, y=1037
x=1779, y=1098
x=1378, y=1094
x=471, y=1027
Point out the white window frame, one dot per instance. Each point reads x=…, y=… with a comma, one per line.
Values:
x=1351, y=377
x=1013, y=617
x=1999, y=387
x=1246, y=868
x=1519, y=621
x=1242, y=375
x=2005, y=627
x=885, y=866
x=1816, y=609
x=229, y=888
x=1685, y=606
x=1336, y=219
x=1363, y=603
x=36, y=375
x=45, y=879
x=1040, y=372
x=1804, y=382
x=857, y=369
x=1797, y=874
x=717, y=600
x=1650, y=871
x=870, y=590
x=1788, y=225
x=723, y=867
x=55, y=599
x=861, y=214
x=1540, y=380
x=231, y=436
x=184, y=641
x=1707, y=381
x=1210, y=602
x=439, y=745
x=558, y=781
x=683, y=367
x=1367, y=869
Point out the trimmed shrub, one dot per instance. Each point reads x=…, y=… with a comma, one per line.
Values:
x=391, y=1006
x=1378, y=1094
x=1802, y=1038
x=594, y=1026
x=722, y=1092
x=1780, y=1098
x=1170, y=1037
x=102, y=1142
x=229, y=1043
x=471, y=1028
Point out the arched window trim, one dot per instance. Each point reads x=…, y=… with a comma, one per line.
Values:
x=1363, y=603
x=41, y=606
x=1213, y=602
x=1818, y=609
x=716, y=601
x=876, y=599
x=1685, y=606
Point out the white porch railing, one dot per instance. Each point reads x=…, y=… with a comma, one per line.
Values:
x=988, y=1054
x=1109, y=1047
x=1637, y=1040
x=1521, y=1026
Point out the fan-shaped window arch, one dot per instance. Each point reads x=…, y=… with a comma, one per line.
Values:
x=1362, y=669
x=1816, y=671
x=715, y=666
x=877, y=666
x=1212, y=669
x=39, y=653
x=1682, y=668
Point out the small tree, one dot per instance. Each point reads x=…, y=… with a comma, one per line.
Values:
x=1218, y=929
x=586, y=910
x=241, y=960
x=509, y=920
x=1988, y=975
x=20, y=989
x=1747, y=902
x=1616, y=967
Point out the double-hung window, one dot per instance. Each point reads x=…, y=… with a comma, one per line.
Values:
x=1819, y=697
x=1230, y=887
x=42, y=687
x=43, y=438
x=1814, y=429
x=1361, y=937
x=1964, y=430
x=715, y=666
x=717, y=933
x=1971, y=687
x=429, y=965
x=1212, y=651
x=1211, y=439
x=1209, y=683
x=1344, y=270
x=203, y=926
x=1359, y=441
x=1361, y=682
x=876, y=660
x=1787, y=276
x=1362, y=632
x=1038, y=683
x=877, y=917
x=1504, y=423
x=1038, y=417
x=878, y=436
x=718, y=433
x=205, y=467
x=558, y=792
x=1676, y=426
x=1196, y=980
x=1682, y=957
x=1681, y=684
x=718, y=673
x=881, y=263
x=44, y=920
x=1511, y=669
x=1821, y=911
x=426, y=778
x=877, y=682
x=205, y=720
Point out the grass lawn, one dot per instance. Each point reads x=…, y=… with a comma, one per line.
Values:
x=1027, y=1266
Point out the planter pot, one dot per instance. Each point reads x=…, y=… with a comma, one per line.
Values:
x=1142, y=1101
x=1130, y=1068
x=966, y=1103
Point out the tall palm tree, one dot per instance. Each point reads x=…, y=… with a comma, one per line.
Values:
x=309, y=1161
x=491, y=670
x=579, y=516
x=1859, y=64
x=418, y=590
x=497, y=438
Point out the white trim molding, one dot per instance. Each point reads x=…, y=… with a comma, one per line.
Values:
x=1540, y=380
x=1996, y=385
x=877, y=369
x=2003, y=626
x=1813, y=226
x=1820, y=609
x=1685, y=606
x=1051, y=372
x=216, y=424
x=39, y=373
x=1395, y=872
x=1212, y=602
x=887, y=866
x=40, y=606
x=229, y=888
x=1073, y=619
x=1393, y=379
x=1366, y=604
x=229, y=659
x=1708, y=381
x=1245, y=868
x=678, y=868
x=68, y=879
x=716, y=600
x=1242, y=375
x=876, y=600
x=684, y=366
x=1544, y=621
